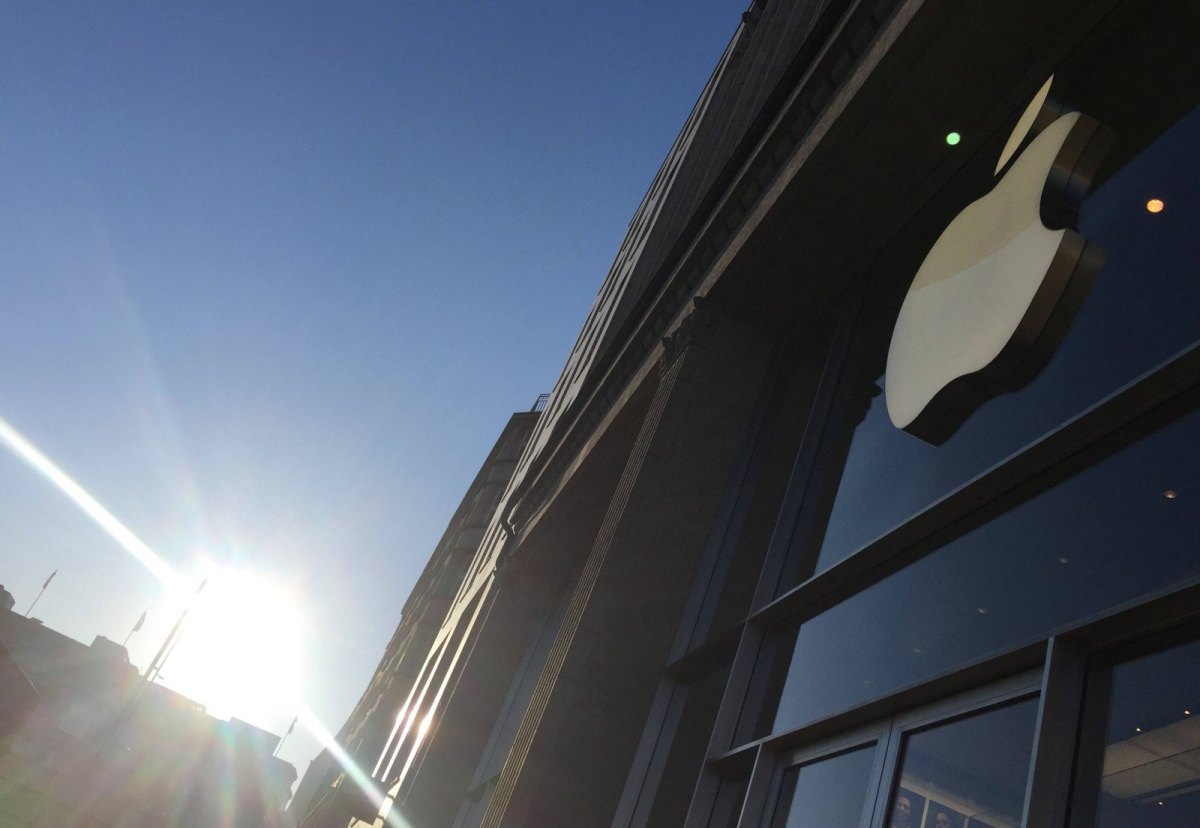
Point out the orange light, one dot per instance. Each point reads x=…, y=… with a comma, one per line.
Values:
x=1155, y=205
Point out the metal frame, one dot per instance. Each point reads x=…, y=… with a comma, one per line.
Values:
x=1141, y=407
x=1072, y=688
x=1166, y=622
x=765, y=811
x=763, y=799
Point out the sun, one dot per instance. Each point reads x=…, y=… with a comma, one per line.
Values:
x=240, y=653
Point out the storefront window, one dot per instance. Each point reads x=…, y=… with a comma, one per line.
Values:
x=1111, y=533
x=1150, y=776
x=970, y=773
x=831, y=792
x=1143, y=308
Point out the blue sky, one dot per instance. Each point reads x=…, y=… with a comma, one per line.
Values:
x=275, y=274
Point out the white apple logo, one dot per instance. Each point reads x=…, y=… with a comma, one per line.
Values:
x=996, y=291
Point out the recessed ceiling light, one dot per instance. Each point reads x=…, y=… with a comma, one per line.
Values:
x=1064, y=560
x=982, y=610
x=952, y=138
x=1138, y=729
x=1154, y=205
x=1170, y=494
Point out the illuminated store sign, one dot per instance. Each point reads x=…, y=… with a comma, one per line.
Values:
x=997, y=290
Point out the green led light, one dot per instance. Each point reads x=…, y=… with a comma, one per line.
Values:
x=952, y=138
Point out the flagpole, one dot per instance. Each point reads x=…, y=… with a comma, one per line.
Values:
x=39, y=595
x=137, y=626
x=279, y=744
x=127, y=709
x=169, y=644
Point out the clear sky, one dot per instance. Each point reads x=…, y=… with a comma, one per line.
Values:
x=275, y=275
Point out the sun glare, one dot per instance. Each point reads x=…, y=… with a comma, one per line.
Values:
x=240, y=653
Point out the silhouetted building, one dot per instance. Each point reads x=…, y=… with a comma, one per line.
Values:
x=325, y=796
x=868, y=495
x=97, y=747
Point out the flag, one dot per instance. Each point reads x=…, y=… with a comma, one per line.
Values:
x=141, y=620
x=51, y=578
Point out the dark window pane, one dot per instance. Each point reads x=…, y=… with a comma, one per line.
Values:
x=1151, y=770
x=967, y=774
x=829, y=793
x=1143, y=308
x=1112, y=533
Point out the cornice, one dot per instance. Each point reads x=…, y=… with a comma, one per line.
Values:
x=820, y=69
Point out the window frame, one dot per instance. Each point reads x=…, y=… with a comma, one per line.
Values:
x=1056, y=670
x=1094, y=696
x=1148, y=403
x=763, y=797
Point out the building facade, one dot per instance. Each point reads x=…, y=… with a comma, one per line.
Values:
x=92, y=745
x=327, y=796
x=865, y=496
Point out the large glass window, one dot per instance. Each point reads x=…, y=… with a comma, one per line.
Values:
x=970, y=773
x=1111, y=533
x=1143, y=307
x=1150, y=771
x=829, y=792
x=955, y=766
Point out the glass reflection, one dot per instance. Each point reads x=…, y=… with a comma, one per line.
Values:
x=830, y=793
x=1143, y=308
x=1104, y=536
x=967, y=774
x=1151, y=770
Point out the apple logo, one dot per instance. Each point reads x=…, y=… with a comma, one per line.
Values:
x=998, y=289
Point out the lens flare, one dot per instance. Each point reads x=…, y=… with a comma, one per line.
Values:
x=229, y=595
x=29, y=453
x=353, y=772
x=105, y=519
